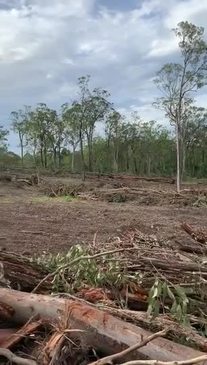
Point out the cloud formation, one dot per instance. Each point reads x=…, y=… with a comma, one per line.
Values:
x=46, y=45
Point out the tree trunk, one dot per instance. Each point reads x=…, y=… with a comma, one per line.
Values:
x=55, y=157
x=109, y=167
x=20, y=273
x=148, y=166
x=82, y=154
x=99, y=330
x=22, y=148
x=115, y=157
x=127, y=159
x=73, y=159
x=90, y=159
x=45, y=157
x=183, y=162
x=41, y=156
x=59, y=156
x=135, y=165
x=178, y=158
x=34, y=156
x=115, y=164
x=90, y=152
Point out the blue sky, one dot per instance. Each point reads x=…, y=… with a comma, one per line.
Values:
x=46, y=45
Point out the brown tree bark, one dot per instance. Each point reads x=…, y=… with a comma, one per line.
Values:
x=100, y=330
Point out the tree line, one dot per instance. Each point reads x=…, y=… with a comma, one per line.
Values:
x=89, y=134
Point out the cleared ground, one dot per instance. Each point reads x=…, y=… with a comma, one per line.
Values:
x=31, y=222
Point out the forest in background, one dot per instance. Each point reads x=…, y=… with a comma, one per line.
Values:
x=89, y=134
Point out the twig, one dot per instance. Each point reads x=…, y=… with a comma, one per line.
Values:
x=16, y=359
x=196, y=360
x=109, y=359
x=75, y=261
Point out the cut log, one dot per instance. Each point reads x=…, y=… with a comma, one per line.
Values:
x=185, y=334
x=26, y=330
x=6, y=333
x=145, y=262
x=6, y=312
x=196, y=234
x=102, y=331
x=21, y=273
x=192, y=247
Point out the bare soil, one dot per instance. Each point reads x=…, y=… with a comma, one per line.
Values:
x=31, y=222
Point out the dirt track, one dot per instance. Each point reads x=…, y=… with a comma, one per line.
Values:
x=31, y=223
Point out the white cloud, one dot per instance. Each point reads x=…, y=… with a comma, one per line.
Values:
x=191, y=10
x=146, y=112
x=46, y=45
x=163, y=47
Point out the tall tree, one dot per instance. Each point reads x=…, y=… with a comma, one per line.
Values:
x=178, y=81
x=113, y=132
x=94, y=107
x=40, y=129
x=20, y=121
x=71, y=119
x=196, y=122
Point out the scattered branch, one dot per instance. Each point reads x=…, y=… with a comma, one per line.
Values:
x=110, y=359
x=196, y=360
x=197, y=235
x=76, y=260
x=16, y=359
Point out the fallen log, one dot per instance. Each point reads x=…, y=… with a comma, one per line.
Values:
x=197, y=235
x=6, y=312
x=6, y=333
x=192, y=247
x=21, y=273
x=102, y=331
x=158, y=179
x=168, y=265
x=185, y=334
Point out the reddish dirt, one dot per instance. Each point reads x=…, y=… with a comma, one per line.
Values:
x=31, y=223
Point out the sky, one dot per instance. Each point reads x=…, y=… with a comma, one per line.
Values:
x=45, y=45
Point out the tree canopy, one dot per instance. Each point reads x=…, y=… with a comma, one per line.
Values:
x=89, y=133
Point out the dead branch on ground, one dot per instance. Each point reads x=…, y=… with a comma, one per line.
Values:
x=110, y=359
x=197, y=235
x=76, y=260
x=16, y=359
x=196, y=360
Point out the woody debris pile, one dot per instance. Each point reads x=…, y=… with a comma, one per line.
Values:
x=134, y=301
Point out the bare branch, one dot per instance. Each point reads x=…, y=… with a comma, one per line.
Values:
x=16, y=359
x=196, y=360
x=110, y=359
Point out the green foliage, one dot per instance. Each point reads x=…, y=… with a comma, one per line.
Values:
x=3, y=138
x=164, y=297
x=69, y=140
x=101, y=272
x=179, y=81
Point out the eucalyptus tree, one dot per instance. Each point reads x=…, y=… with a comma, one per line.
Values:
x=94, y=106
x=71, y=120
x=20, y=120
x=178, y=82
